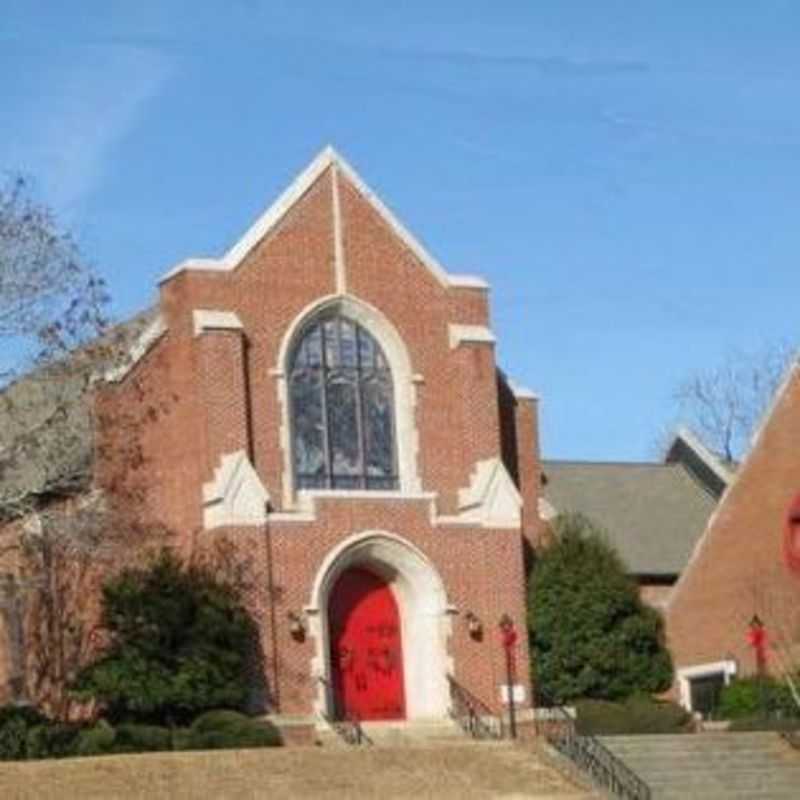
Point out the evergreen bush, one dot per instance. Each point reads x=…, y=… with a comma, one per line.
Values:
x=15, y=724
x=591, y=635
x=180, y=644
x=220, y=729
x=753, y=697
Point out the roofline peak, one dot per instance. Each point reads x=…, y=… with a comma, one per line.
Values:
x=324, y=159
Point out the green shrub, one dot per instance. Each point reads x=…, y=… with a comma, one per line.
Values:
x=15, y=724
x=219, y=719
x=181, y=645
x=637, y=715
x=591, y=635
x=96, y=740
x=52, y=740
x=138, y=738
x=223, y=729
x=756, y=697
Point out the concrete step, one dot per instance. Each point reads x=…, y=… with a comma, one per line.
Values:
x=400, y=733
x=709, y=766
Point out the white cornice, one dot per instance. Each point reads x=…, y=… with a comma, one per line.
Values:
x=262, y=226
x=469, y=334
x=522, y=392
x=206, y=319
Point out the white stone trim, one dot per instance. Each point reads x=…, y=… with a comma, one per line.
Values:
x=338, y=245
x=235, y=495
x=146, y=339
x=522, y=392
x=425, y=617
x=469, y=334
x=705, y=455
x=405, y=389
x=491, y=500
x=547, y=510
x=685, y=674
x=467, y=282
x=206, y=319
x=272, y=216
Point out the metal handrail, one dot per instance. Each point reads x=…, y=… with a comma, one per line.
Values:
x=472, y=714
x=349, y=726
x=589, y=754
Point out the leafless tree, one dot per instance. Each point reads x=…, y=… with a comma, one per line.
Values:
x=723, y=404
x=50, y=299
x=58, y=538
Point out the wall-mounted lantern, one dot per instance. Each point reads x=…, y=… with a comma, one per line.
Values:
x=297, y=625
x=474, y=625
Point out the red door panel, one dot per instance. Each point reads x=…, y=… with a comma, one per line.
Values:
x=366, y=648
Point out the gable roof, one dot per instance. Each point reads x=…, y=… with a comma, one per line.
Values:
x=652, y=513
x=715, y=474
x=327, y=158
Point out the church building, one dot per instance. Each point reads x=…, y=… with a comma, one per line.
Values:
x=331, y=407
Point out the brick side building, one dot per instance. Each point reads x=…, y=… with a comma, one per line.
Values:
x=325, y=399
x=745, y=567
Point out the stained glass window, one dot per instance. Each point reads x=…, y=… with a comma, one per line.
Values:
x=342, y=408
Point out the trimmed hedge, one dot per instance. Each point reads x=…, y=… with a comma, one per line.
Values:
x=26, y=734
x=636, y=715
x=219, y=730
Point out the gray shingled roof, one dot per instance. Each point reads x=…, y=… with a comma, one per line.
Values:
x=652, y=513
x=45, y=422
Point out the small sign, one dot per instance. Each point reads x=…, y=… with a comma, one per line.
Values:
x=518, y=693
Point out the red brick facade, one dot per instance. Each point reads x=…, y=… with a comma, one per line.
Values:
x=209, y=401
x=740, y=566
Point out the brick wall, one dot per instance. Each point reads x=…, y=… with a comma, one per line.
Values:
x=194, y=398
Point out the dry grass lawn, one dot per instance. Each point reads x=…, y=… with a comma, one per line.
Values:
x=456, y=772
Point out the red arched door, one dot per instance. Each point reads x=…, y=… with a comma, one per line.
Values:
x=366, y=649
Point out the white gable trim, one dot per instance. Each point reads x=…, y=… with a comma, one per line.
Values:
x=270, y=218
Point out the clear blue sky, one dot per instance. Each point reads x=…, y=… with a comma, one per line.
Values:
x=625, y=174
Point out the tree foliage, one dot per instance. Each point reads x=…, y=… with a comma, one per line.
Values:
x=179, y=645
x=591, y=634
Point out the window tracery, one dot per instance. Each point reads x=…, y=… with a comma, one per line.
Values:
x=342, y=408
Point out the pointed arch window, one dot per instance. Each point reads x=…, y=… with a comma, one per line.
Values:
x=342, y=408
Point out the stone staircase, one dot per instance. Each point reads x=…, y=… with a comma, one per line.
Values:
x=397, y=734
x=712, y=765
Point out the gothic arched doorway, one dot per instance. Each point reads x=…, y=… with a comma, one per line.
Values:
x=366, y=647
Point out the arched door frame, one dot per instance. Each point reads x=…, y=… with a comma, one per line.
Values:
x=425, y=618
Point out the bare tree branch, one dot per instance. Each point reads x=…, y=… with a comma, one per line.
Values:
x=723, y=404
